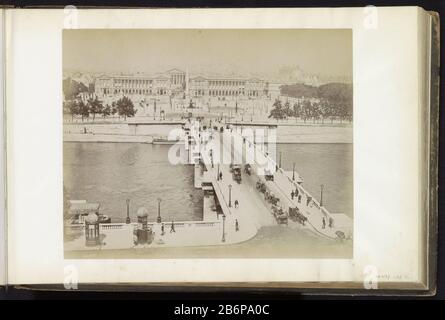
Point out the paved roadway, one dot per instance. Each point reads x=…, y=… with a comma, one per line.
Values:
x=282, y=187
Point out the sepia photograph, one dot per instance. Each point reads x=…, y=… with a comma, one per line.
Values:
x=207, y=143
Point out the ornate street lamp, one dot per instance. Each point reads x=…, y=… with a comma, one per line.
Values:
x=224, y=228
x=128, y=212
x=321, y=195
x=92, y=234
x=293, y=172
x=159, y=220
x=230, y=196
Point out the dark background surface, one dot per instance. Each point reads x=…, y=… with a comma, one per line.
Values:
x=172, y=299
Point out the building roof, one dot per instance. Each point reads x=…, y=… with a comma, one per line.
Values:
x=174, y=70
x=196, y=76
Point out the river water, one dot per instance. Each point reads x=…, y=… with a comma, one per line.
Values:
x=110, y=173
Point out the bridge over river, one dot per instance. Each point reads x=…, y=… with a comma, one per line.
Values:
x=232, y=146
x=213, y=152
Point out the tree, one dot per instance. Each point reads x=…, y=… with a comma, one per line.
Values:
x=84, y=110
x=106, y=111
x=125, y=107
x=299, y=90
x=287, y=110
x=72, y=106
x=277, y=112
x=72, y=88
x=113, y=108
x=297, y=110
x=326, y=101
x=95, y=107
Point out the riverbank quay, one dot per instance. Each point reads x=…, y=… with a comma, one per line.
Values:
x=149, y=129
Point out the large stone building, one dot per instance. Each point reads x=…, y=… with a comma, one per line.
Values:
x=177, y=83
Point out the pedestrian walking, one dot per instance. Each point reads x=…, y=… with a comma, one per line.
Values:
x=299, y=198
x=220, y=176
x=172, y=229
x=236, y=225
x=162, y=229
x=292, y=194
x=236, y=203
x=323, y=222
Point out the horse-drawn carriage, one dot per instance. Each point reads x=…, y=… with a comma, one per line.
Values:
x=268, y=175
x=271, y=198
x=248, y=169
x=340, y=234
x=261, y=186
x=297, y=216
x=279, y=215
x=236, y=173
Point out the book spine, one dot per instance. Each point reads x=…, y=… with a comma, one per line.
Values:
x=433, y=150
x=3, y=216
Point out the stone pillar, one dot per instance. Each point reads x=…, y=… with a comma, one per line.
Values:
x=142, y=230
x=92, y=236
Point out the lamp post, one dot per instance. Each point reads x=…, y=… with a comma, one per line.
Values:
x=321, y=195
x=230, y=195
x=128, y=212
x=159, y=220
x=280, y=158
x=224, y=229
x=293, y=172
x=189, y=150
x=217, y=174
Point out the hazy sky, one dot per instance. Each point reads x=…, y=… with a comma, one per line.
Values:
x=325, y=52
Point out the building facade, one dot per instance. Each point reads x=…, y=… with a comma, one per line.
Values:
x=176, y=83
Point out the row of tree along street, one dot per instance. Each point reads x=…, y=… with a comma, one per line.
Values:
x=78, y=107
x=94, y=107
x=324, y=102
x=311, y=110
x=328, y=101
